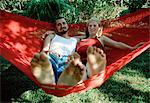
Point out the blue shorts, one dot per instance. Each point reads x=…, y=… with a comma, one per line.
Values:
x=58, y=64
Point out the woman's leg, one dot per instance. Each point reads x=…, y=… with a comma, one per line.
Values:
x=96, y=61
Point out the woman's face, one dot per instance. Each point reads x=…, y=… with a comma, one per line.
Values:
x=93, y=28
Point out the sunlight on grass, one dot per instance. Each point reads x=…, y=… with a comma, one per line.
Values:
x=133, y=78
x=130, y=84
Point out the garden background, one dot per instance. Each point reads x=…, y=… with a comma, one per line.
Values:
x=130, y=84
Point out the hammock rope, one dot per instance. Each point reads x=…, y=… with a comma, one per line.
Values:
x=21, y=39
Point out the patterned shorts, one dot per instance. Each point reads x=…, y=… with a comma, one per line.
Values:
x=58, y=64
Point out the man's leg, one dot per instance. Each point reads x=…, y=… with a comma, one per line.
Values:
x=42, y=69
x=74, y=72
x=96, y=61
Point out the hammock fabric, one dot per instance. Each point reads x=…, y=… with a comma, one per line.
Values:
x=21, y=39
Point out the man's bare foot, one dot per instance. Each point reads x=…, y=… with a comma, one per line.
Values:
x=96, y=60
x=42, y=69
x=74, y=73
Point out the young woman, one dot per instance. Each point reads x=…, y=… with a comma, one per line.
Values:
x=95, y=37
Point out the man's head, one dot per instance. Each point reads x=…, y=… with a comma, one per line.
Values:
x=61, y=25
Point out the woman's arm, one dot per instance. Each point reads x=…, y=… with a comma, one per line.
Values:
x=120, y=45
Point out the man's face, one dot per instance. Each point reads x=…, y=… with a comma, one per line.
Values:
x=61, y=26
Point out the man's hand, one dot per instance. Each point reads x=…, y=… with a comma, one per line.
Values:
x=47, y=33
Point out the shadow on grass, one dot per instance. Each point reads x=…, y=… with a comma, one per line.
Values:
x=141, y=64
x=123, y=92
x=14, y=83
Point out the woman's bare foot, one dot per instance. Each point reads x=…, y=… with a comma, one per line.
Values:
x=42, y=69
x=74, y=73
x=96, y=60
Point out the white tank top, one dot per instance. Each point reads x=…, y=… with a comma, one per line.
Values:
x=63, y=46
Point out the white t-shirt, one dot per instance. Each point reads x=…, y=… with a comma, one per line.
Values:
x=63, y=46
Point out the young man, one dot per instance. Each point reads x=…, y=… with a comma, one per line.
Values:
x=58, y=62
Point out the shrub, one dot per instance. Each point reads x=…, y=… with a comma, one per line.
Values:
x=46, y=10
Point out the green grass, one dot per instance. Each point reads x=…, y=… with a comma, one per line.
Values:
x=128, y=85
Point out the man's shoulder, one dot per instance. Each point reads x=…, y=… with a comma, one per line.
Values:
x=74, y=39
x=51, y=35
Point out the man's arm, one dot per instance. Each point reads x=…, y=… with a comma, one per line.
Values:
x=47, y=42
x=47, y=33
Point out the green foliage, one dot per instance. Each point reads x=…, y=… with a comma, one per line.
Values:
x=136, y=4
x=84, y=9
x=4, y=64
x=47, y=10
x=74, y=11
x=16, y=6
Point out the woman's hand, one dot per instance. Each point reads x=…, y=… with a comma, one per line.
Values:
x=47, y=33
x=138, y=45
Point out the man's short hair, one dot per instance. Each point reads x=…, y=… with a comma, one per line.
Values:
x=59, y=17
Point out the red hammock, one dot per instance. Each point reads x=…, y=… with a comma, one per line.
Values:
x=20, y=40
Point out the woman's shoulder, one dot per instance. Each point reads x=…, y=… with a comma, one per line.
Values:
x=101, y=37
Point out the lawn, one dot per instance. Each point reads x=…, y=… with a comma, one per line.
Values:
x=130, y=84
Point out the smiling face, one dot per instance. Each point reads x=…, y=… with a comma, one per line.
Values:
x=61, y=26
x=93, y=27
